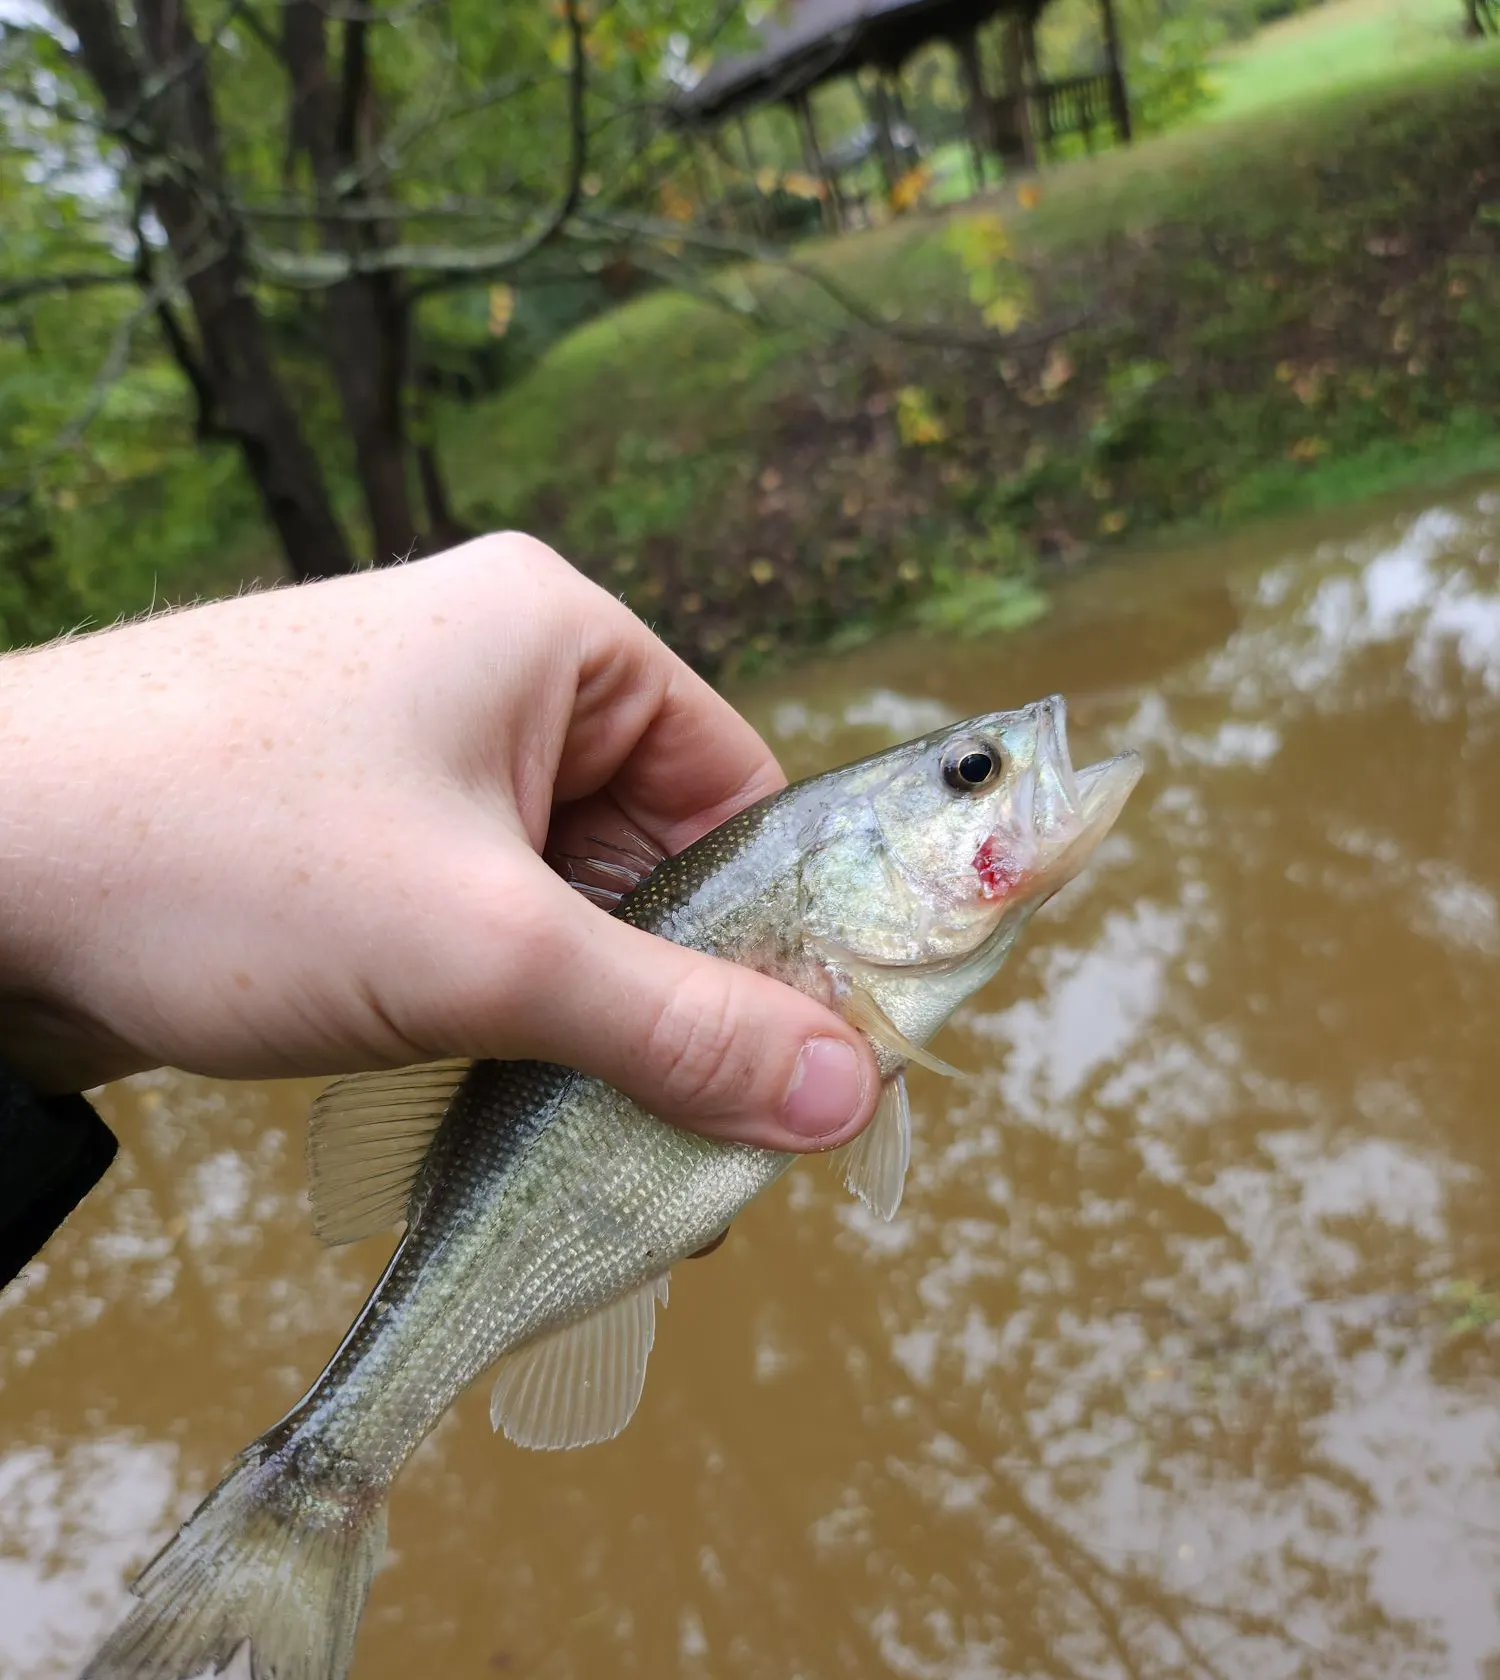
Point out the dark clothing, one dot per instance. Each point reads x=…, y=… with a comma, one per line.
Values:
x=53, y=1151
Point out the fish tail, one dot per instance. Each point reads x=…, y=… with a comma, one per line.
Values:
x=269, y=1559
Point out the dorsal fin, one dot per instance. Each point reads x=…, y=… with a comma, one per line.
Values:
x=608, y=871
x=367, y=1135
x=582, y=1383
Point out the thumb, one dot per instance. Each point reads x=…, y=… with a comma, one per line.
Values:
x=695, y=1040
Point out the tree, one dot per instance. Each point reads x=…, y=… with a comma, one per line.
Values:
x=324, y=171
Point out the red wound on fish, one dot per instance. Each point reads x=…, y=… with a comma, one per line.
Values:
x=997, y=871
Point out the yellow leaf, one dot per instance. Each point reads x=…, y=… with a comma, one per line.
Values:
x=1113, y=522
x=1029, y=196
x=991, y=241
x=1004, y=314
x=907, y=191
x=1308, y=449
x=676, y=206
x=803, y=186
x=762, y=571
x=502, y=308
x=978, y=241
x=915, y=420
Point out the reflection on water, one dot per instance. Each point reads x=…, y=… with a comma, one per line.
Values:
x=1179, y=1358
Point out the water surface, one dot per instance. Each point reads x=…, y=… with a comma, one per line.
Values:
x=1178, y=1359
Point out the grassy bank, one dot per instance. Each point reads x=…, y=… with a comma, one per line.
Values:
x=1235, y=319
x=1336, y=44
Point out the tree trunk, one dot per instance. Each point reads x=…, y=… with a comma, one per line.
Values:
x=367, y=314
x=206, y=244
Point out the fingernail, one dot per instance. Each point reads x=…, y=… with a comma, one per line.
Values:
x=827, y=1089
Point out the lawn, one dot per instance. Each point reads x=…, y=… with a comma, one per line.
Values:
x=1339, y=43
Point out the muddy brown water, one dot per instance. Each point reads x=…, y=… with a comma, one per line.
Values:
x=1178, y=1359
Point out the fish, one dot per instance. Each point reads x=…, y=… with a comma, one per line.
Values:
x=544, y=1210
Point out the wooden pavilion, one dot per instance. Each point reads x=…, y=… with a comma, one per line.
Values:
x=811, y=42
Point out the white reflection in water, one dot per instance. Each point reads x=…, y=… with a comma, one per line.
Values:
x=1139, y=1443
x=890, y=716
x=1094, y=1003
x=71, y=1522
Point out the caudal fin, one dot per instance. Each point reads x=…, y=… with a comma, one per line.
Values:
x=264, y=1560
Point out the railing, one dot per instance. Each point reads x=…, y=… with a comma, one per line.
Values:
x=1076, y=105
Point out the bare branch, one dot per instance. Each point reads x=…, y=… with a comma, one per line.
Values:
x=116, y=359
x=449, y=265
x=373, y=210
x=18, y=291
x=389, y=153
x=936, y=338
x=207, y=425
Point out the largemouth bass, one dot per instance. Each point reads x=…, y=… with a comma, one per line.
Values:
x=544, y=1210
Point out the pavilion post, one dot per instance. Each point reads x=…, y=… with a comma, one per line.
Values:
x=1017, y=85
x=1119, y=102
x=763, y=218
x=812, y=154
x=877, y=103
x=967, y=48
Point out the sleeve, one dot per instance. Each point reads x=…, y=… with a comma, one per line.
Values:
x=53, y=1151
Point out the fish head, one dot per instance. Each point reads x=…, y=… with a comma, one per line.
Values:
x=931, y=853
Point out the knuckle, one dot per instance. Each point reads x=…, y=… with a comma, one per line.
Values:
x=699, y=1047
x=522, y=549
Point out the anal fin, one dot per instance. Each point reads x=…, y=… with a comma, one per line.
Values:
x=582, y=1383
x=874, y=1164
x=367, y=1137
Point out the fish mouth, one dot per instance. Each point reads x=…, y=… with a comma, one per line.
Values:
x=1074, y=808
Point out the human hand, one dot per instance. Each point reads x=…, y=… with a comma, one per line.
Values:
x=299, y=832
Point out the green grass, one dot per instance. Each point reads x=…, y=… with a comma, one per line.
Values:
x=1338, y=44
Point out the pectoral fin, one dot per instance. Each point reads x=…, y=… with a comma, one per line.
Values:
x=862, y=1011
x=875, y=1164
x=583, y=1383
x=366, y=1138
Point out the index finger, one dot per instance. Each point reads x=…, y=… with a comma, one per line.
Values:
x=676, y=757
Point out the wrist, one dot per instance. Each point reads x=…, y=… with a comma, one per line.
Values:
x=53, y=869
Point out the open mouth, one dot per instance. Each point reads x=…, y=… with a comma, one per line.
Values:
x=1066, y=812
x=1084, y=804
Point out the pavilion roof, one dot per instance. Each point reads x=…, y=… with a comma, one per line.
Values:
x=818, y=39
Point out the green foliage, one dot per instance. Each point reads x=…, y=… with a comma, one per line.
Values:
x=475, y=138
x=999, y=287
x=975, y=604
x=1169, y=74
x=1468, y=1305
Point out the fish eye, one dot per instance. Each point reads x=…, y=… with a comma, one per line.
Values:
x=971, y=765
